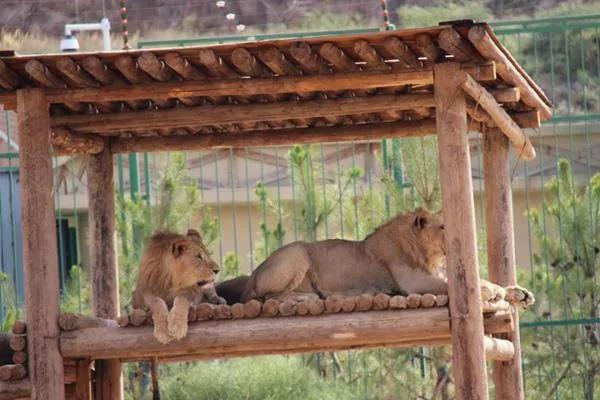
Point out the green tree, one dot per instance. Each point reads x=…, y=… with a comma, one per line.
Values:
x=564, y=279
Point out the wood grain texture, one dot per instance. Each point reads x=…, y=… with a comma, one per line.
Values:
x=103, y=263
x=468, y=353
x=499, y=116
x=40, y=255
x=272, y=138
x=272, y=335
x=507, y=375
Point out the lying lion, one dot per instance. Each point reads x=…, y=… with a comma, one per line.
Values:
x=175, y=271
x=407, y=254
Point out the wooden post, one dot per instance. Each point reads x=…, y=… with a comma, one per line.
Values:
x=40, y=253
x=461, y=243
x=103, y=263
x=507, y=375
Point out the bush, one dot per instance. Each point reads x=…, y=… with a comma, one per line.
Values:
x=270, y=377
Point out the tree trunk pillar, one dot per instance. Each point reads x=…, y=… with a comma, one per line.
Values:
x=507, y=375
x=40, y=252
x=103, y=263
x=468, y=354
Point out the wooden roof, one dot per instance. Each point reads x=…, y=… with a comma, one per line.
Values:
x=339, y=87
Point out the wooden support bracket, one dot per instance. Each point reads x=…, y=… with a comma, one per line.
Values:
x=498, y=115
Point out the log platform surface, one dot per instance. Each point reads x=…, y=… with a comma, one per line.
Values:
x=254, y=328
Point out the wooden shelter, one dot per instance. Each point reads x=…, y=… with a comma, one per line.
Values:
x=393, y=84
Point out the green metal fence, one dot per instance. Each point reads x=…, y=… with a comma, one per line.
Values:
x=248, y=202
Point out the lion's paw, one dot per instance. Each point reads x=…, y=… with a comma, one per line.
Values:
x=519, y=296
x=491, y=292
x=218, y=300
x=160, y=333
x=177, y=326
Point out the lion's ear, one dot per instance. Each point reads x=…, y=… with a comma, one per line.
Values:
x=179, y=247
x=194, y=235
x=421, y=218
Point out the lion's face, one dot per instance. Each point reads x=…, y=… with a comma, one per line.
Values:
x=429, y=228
x=193, y=265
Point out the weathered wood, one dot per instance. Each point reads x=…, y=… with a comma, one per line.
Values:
x=500, y=351
x=128, y=67
x=188, y=72
x=209, y=115
x=40, y=73
x=486, y=46
x=338, y=59
x=276, y=61
x=527, y=119
x=506, y=95
x=308, y=60
x=83, y=384
x=12, y=372
x=19, y=328
x=18, y=342
x=298, y=333
x=367, y=53
x=8, y=78
x=215, y=64
x=396, y=48
x=460, y=235
x=72, y=321
x=19, y=357
x=462, y=50
x=65, y=143
x=15, y=389
x=75, y=73
x=183, y=67
x=256, y=86
x=103, y=262
x=426, y=47
x=272, y=138
x=499, y=116
x=154, y=67
x=108, y=78
x=507, y=375
x=40, y=254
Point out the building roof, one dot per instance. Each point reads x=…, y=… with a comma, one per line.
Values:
x=347, y=87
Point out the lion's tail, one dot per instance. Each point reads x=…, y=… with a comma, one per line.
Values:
x=155, y=388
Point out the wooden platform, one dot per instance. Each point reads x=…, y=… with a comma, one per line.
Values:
x=260, y=336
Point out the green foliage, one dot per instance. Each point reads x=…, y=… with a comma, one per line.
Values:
x=264, y=378
x=77, y=292
x=10, y=308
x=567, y=229
x=442, y=10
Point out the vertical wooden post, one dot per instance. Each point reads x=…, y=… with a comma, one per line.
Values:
x=103, y=263
x=507, y=375
x=83, y=385
x=464, y=292
x=40, y=253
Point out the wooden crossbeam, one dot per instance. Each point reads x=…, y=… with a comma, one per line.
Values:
x=235, y=113
x=499, y=116
x=267, y=335
x=275, y=137
x=255, y=86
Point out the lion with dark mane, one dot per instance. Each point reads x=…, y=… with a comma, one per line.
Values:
x=175, y=271
x=407, y=254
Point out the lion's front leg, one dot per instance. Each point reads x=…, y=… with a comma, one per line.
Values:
x=159, y=310
x=177, y=321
